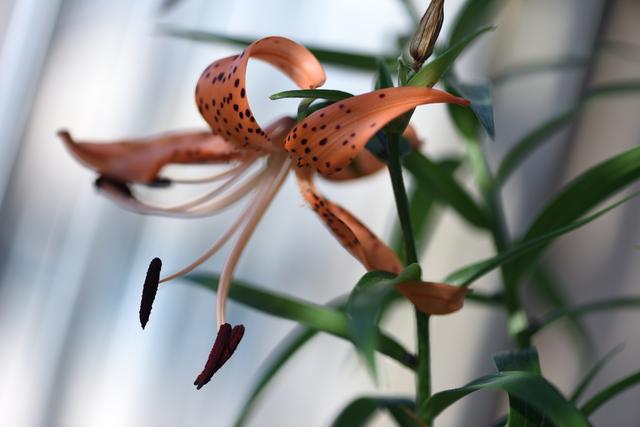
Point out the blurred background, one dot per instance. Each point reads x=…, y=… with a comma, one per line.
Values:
x=72, y=263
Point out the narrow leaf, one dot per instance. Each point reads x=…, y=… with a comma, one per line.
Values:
x=548, y=287
x=465, y=276
x=521, y=70
x=610, y=392
x=538, y=136
x=520, y=413
x=321, y=318
x=445, y=187
x=328, y=94
x=582, y=387
x=358, y=412
x=383, y=76
x=274, y=364
x=581, y=310
x=357, y=60
x=369, y=298
x=580, y=196
x=481, y=102
x=473, y=14
x=526, y=386
x=431, y=73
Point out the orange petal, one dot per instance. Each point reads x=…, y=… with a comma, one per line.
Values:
x=366, y=163
x=351, y=233
x=329, y=139
x=221, y=95
x=433, y=298
x=141, y=160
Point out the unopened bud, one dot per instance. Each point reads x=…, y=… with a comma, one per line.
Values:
x=428, y=30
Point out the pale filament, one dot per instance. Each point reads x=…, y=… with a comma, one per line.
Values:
x=224, y=238
x=213, y=178
x=210, y=194
x=213, y=206
x=267, y=191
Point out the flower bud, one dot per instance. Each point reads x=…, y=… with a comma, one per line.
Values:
x=428, y=30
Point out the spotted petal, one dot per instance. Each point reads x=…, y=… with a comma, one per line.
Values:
x=433, y=298
x=140, y=160
x=221, y=94
x=366, y=163
x=329, y=139
x=351, y=233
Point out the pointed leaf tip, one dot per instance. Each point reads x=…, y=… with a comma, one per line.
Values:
x=149, y=290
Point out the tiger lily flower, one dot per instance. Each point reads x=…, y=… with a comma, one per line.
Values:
x=329, y=142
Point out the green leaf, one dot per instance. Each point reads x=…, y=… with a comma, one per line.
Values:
x=582, y=387
x=357, y=60
x=317, y=317
x=445, y=187
x=538, y=136
x=610, y=392
x=516, y=71
x=525, y=359
x=383, y=76
x=579, y=197
x=331, y=95
x=277, y=359
x=358, y=412
x=369, y=298
x=473, y=14
x=581, y=310
x=465, y=276
x=550, y=289
x=520, y=413
x=481, y=102
x=431, y=73
x=526, y=386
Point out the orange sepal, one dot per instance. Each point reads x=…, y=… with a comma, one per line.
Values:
x=329, y=139
x=366, y=163
x=354, y=236
x=140, y=160
x=433, y=298
x=221, y=92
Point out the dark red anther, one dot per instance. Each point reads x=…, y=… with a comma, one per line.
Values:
x=225, y=344
x=103, y=182
x=149, y=290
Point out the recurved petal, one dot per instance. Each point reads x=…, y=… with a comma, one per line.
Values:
x=366, y=163
x=329, y=139
x=221, y=93
x=351, y=233
x=140, y=160
x=433, y=298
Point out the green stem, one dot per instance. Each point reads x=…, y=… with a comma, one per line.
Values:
x=423, y=378
x=490, y=191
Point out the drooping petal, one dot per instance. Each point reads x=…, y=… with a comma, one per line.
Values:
x=351, y=233
x=329, y=139
x=221, y=93
x=433, y=298
x=140, y=160
x=366, y=163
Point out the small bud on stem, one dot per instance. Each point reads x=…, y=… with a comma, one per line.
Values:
x=427, y=33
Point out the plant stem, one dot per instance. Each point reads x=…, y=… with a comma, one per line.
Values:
x=423, y=378
x=517, y=319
